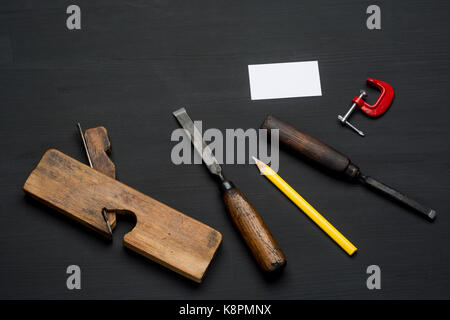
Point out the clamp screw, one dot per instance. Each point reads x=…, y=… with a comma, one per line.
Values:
x=343, y=119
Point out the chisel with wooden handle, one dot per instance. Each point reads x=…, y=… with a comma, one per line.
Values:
x=336, y=162
x=244, y=216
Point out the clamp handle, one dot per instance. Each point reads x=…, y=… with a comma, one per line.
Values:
x=383, y=102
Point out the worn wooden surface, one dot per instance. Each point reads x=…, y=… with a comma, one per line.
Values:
x=258, y=238
x=135, y=61
x=161, y=234
x=97, y=142
x=99, y=148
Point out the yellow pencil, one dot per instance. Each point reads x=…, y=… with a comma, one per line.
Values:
x=315, y=216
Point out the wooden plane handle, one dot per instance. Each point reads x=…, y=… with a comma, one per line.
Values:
x=161, y=234
x=252, y=228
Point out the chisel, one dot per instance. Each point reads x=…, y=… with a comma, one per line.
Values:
x=244, y=216
x=336, y=162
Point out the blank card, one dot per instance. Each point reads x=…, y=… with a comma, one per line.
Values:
x=284, y=80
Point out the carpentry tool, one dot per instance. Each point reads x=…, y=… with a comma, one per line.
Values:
x=161, y=234
x=336, y=162
x=244, y=216
x=95, y=147
x=312, y=213
x=96, y=144
x=377, y=109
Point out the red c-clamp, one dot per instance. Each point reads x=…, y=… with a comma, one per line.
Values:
x=377, y=109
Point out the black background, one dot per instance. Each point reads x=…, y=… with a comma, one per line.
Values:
x=134, y=62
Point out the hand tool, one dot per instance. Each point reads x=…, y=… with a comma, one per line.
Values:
x=96, y=143
x=312, y=213
x=244, y=216
x=336, y=162
x=377, y=109
x=161, y=234
x=95, y=148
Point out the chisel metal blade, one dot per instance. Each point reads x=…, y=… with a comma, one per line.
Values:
x=197, y=140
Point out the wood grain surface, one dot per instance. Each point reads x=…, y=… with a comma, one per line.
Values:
x=256, y=235
x=98, y=144
x=306, y=145
x=99, y=148
x=161, y=234
x=135, y=61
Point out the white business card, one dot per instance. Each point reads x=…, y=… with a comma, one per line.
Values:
x=284, y=80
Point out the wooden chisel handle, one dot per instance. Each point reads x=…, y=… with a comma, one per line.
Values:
x=335, y=161
x=252, y=228
x=311, y=148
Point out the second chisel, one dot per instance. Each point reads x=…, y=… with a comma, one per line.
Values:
x=336, y=162
x=244, y=216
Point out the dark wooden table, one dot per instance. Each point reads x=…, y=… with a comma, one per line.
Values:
x=134, y=62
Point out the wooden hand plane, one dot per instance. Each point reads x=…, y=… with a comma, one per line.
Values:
x=161, y=234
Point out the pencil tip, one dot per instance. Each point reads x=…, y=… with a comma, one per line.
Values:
x=259, y=163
